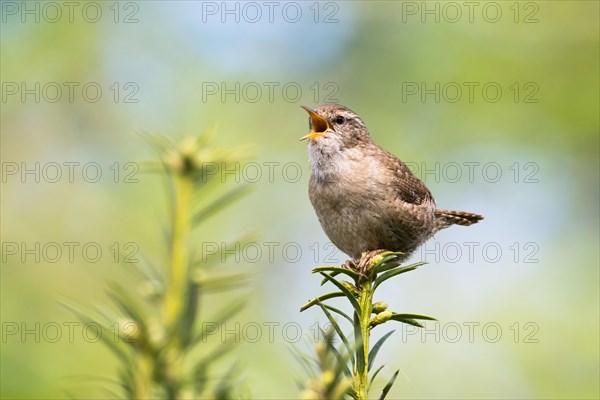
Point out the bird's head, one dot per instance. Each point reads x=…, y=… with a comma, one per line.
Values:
x=335, y=126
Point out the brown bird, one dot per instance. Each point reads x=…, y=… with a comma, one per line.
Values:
x=366, y=199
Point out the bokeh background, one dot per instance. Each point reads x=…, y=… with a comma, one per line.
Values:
x=519, y=314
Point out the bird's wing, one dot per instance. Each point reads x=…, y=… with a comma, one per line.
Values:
x=407, y=186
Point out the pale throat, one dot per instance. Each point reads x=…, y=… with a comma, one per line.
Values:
x=327, y=159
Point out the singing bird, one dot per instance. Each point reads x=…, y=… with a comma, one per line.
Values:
x=366, y=199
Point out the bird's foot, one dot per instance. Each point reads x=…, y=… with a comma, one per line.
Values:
x=362, y=265
x=354, y=265
x=366, y=259
x=349, y=264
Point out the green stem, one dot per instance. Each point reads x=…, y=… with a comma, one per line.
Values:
x=143, y=378
x=176, y=283
x=362, y=333
x=177, y=275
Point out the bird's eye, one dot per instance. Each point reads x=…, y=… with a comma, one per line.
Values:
x=340, y=119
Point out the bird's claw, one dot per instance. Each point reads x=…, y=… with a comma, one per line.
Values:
x=349, y=264
x=366, y=259
x=361, y=266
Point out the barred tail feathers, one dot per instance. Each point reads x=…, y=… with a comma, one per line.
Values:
x=445, y=218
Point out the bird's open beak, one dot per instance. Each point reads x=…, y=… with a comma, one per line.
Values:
x=319, y=125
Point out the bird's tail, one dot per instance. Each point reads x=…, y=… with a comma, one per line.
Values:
x=445, y=218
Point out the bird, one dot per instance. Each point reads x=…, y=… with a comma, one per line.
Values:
x=366, y=199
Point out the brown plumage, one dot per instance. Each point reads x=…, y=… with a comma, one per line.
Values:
x=366, y=199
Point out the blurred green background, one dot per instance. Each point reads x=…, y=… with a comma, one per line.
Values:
x=518, y=315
